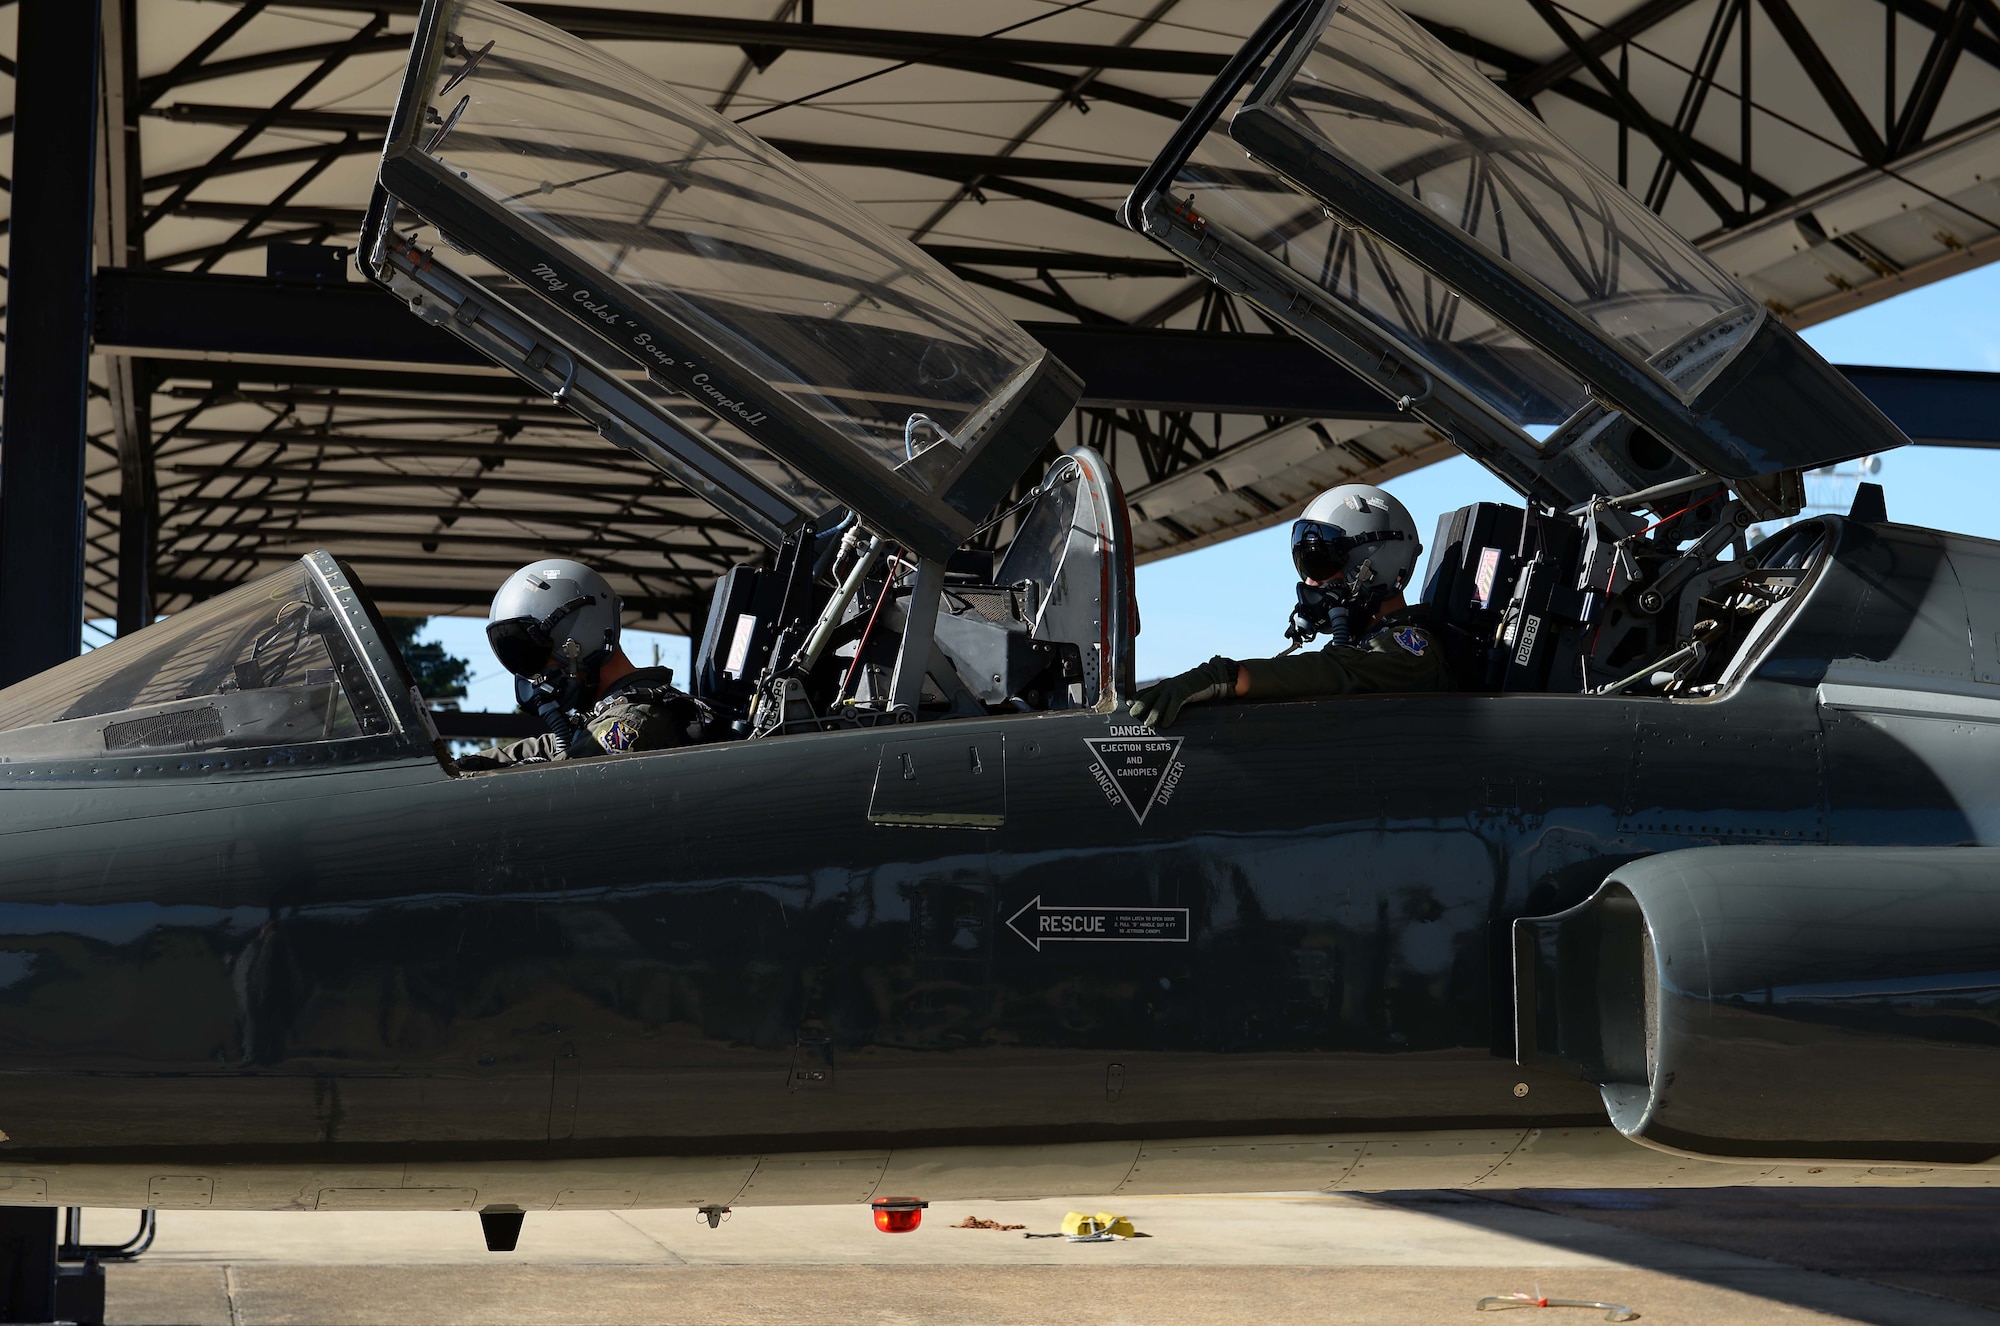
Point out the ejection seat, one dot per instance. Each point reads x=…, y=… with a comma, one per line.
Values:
x=1476, y=562
x=1055, y=628
x=1050, y=629
x=1516, y=610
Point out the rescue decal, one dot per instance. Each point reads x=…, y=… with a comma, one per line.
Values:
x=1040, y=925
x=1413, y=640
x=1136, y=765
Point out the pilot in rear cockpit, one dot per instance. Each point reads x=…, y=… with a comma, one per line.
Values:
x=1355, y=548
x=554, y=625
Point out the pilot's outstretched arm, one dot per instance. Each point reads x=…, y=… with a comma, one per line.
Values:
x=1399, y=655
x=528, y=750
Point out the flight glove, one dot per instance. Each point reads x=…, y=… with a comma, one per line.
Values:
x=1160, y=704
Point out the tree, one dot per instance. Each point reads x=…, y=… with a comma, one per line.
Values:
x=439, y=676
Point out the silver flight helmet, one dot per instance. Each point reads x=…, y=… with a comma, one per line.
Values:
x=553, y=624
x=1357, y=545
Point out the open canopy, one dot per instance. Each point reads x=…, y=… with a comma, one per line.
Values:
x=1396, y=200
x=641, y=233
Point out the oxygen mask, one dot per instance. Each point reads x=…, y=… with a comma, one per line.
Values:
x=558, y=695
x=1334, y=608
x=1320, y=610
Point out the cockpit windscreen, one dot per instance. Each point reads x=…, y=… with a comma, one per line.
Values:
x=265, y=664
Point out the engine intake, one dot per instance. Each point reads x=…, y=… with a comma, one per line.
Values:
x=1779, y=1003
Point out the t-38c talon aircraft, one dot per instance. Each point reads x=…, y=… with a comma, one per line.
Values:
x=1687, y=885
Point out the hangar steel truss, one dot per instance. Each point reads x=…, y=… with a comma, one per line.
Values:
x=1827, y=152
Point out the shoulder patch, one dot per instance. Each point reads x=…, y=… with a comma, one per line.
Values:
x=1410, y=638
x=618, y=735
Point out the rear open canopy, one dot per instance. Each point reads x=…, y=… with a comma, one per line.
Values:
x=1416, y=185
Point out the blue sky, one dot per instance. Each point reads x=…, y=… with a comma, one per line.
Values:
x=1234, y=598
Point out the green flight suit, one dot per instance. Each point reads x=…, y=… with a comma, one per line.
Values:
x=638, y=712
x=1400, y=653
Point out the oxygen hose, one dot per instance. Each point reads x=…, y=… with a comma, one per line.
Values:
x=555, y=717
x=839, y=542
x=1317, y=612
x=546, y=703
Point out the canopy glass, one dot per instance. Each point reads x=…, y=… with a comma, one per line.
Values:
x=1434, y=236
x=1404, y=302
x=693, y=250
x=1370, y=85
x=265, y=664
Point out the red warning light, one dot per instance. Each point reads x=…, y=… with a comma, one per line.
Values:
x=898, y=1215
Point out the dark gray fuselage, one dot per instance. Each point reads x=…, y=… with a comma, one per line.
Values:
x=755, y=948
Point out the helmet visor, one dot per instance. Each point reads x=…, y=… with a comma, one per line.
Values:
x=521, y=644
x=1319, y=550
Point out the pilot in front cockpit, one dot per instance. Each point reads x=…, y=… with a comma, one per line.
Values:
x=555, y=625
x=1355, y=548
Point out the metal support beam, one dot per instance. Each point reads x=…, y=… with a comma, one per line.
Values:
x=255, y=221
x=488, y=389
x=205, y=70
x=297, y=507
x=48, y=337
x=362, y=145
x=1046, y=260
x=959, y=165
x=366, y=132
x=1928, y=89
x=265, y=118
x=1932, y=16
x=1867, y=143
x=269, y=117
x=1606, y=39
x=1598, y=102
x=322, y=481
x=295, y=544
x=1701, y=82
x=128, y=381
x=198, y=316
x=947, y=49
x=589, y=458
x=1631, y=112
x=166, y=313
x=153, y=88
x=138, y=498
x=348, y=219
x=1933, y=406
x=178, y=315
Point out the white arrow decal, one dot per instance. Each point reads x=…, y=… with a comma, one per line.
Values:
x=1113, y=925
